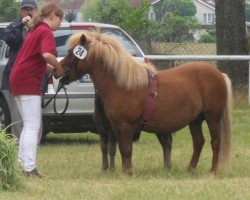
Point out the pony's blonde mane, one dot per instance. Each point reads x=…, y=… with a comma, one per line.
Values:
x=108, y=53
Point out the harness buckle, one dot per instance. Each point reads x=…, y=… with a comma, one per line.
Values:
x=153, y=94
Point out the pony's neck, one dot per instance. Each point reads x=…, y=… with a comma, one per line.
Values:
x=104, y=83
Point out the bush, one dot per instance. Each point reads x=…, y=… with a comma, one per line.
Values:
x=208, y=37
x=10, y=176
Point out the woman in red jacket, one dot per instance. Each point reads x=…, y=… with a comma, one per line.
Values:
x=37, y=51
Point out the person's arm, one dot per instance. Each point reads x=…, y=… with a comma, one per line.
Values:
x=51, y=60
x=49, y=68
x=13, y=33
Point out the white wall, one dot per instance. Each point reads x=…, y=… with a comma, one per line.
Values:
x=202, y=9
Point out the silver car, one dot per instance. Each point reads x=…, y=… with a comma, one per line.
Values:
x=80, y=94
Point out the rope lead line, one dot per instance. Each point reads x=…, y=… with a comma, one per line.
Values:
x=60, y=86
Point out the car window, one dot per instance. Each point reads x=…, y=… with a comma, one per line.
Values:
x=1, y=33
x=2, y=46
x=127, y=43
x=62, y=35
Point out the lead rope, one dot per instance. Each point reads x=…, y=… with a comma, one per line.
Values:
x=59, y=87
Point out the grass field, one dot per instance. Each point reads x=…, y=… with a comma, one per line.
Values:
x=71, y=165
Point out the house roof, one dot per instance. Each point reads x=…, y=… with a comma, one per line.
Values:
x=137, y=3
x=208, y=3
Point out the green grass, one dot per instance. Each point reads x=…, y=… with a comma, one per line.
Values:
x=10, y=178
x=71, y=165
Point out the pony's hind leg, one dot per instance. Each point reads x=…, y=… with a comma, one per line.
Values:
x=198, y=141
x=166, y=143
x=214, y=128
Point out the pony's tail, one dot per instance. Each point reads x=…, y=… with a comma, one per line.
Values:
x=226, y=128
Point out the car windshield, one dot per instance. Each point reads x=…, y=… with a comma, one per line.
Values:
x=63, y=34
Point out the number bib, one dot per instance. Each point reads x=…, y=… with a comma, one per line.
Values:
x=80, y=52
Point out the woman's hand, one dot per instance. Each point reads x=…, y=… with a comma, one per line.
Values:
x=52, y=61
x=59, y=72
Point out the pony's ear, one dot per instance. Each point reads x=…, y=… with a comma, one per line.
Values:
x=83, y=40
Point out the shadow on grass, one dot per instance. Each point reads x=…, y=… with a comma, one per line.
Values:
x=72, y=138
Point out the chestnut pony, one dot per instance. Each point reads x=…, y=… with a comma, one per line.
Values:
x=108, y=139
x=186, y=95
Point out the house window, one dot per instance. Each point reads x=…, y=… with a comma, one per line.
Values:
x=208, y=18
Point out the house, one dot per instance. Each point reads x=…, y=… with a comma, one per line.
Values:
x=205, y=11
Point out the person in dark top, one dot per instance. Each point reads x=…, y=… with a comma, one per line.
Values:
x=14, y=36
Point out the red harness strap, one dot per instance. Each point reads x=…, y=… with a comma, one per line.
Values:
x=152, y=94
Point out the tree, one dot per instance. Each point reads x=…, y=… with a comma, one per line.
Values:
x=231, y=38
x=9, y=10
x=177, y=28
x=112, y=11
x=182, y=7
x=208, y=37
x=121, y=13
x=177, y=21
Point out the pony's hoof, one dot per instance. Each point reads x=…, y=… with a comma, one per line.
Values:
x=128, y=172
x=111, y=169
x=168, y=167
x=213, y=172
x=191, y=169
x=104, y=168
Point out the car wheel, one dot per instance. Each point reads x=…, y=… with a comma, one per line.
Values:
x=5, y=119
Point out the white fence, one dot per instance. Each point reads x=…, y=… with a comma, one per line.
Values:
x=205, y=58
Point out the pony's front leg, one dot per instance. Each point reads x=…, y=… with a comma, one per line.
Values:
x=125, y=140
x=104, y=148
x=112, y=150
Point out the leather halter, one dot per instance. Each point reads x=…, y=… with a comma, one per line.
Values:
x=149, y=106
x=65, y=79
